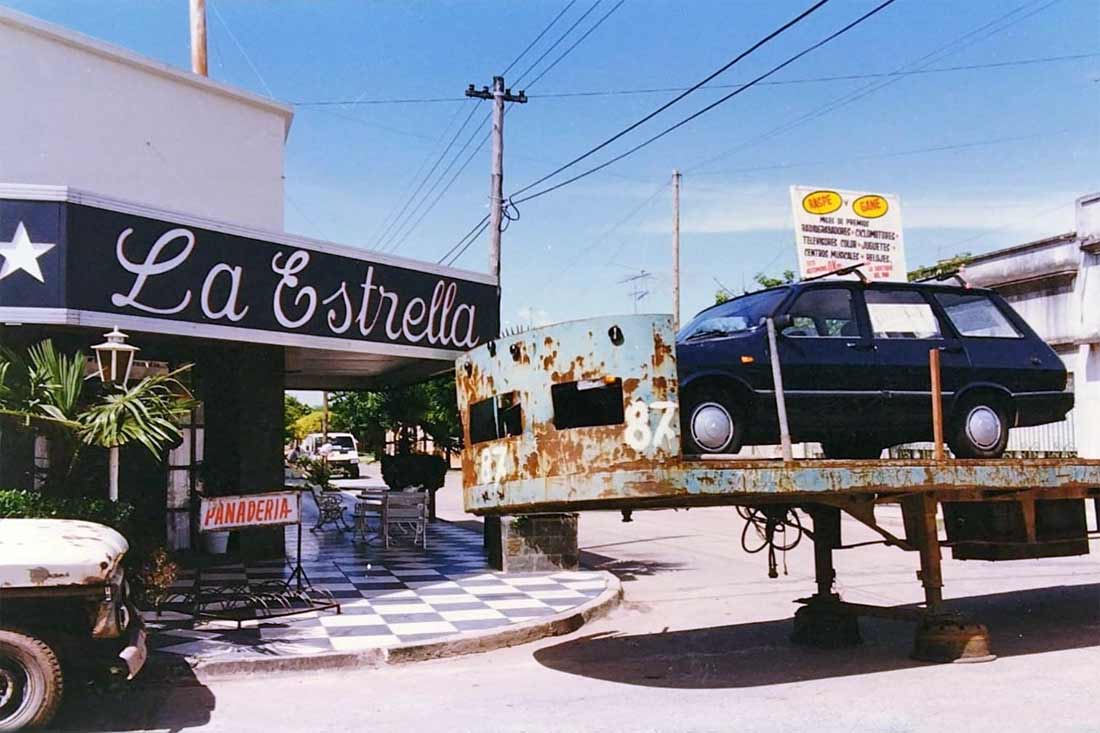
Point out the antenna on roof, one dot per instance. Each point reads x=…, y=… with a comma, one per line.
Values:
x=847, y=270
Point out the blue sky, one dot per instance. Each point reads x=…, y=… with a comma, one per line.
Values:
x=1022, y=141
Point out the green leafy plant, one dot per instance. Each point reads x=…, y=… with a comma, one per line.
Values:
x=147, y=413
x=317, y=472
x=156, y=576
x=47, y=393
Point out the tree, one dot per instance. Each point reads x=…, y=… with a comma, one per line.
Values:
x=293, y=410
x=44, y=392
x=430, y=406
x=765, y=281
x=942, y=267
x=312, y=422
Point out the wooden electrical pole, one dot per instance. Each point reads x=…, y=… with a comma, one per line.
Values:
x=198, y=37
x=499, y=95
x=676, y=250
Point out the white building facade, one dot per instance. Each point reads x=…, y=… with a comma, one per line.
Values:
x=1054, y=284
x=87, y=115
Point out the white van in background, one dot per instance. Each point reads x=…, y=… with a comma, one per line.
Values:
x=343, y=455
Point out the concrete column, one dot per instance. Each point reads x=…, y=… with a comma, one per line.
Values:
x=242, y=392
x=533, y=543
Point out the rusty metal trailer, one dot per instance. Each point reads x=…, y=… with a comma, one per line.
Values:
x=584, y=416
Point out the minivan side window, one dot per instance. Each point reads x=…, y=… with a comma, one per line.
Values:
x=823, y=312
x=901, y=314
x=975, y=314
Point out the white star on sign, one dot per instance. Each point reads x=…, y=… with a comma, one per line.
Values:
x=22, y=254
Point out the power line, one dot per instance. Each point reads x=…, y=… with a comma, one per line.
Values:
x=813, y=8
x=407, y=191
x=539, y=37
x=465, y=245
x=408, y=201
x=465, y=241
x=821, y=79
x=896, y=154
x=878, y=8
x=398, y=242
x=942, y=51
x=778, y=82
x=931, y=57
x=561, y=38
x=576, y=43
x=247, y=58
x=385, y=236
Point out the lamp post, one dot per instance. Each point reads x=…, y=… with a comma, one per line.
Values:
x=114, y=360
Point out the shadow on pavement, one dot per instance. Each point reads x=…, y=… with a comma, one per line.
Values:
x=160, y=698
x=625, y=570
x=756, y=654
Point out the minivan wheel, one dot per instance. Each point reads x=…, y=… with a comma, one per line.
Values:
x=712, y=425
x=980, y=430
x=30, y=681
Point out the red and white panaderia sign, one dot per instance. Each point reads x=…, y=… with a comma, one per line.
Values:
x=256, y=510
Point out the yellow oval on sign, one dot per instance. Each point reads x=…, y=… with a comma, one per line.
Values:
x=821, y=202
x=870, y=206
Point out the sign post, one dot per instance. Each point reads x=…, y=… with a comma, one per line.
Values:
x=272, y=509
x=836, y=228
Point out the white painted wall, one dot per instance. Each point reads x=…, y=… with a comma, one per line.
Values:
x=81, y=113
x=1055, y=286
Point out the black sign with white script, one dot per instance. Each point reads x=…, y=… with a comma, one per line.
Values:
x=83, y=258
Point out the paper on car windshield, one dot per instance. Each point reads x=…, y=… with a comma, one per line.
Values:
x=903, y=320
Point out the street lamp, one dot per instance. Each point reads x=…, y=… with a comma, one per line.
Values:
x=114, y=360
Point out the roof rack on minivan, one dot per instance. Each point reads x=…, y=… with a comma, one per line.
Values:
x=846, y=270
x=949, y=275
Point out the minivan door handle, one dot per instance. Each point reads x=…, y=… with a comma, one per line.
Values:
x=951, y=349
x=859, y=346
x=1036, y=360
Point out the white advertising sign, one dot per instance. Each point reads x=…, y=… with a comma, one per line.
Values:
x=835, y=229
x=255, y=510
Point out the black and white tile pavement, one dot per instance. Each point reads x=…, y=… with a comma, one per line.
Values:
x=388, y=597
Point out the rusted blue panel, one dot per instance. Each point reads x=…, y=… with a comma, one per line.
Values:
x=637, y=462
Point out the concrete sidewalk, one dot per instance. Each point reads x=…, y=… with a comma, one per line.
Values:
x=396, y=604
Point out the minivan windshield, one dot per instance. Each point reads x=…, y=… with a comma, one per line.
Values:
x=739, y=314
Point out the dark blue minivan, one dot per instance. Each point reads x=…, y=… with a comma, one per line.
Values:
x=854, y=360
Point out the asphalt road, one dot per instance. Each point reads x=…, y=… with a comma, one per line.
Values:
x=700, y=644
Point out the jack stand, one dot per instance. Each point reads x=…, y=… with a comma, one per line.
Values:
x=951, y=639
x=824, y=623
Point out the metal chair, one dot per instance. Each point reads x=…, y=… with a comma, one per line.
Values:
x=405, y=510
x=330, y=510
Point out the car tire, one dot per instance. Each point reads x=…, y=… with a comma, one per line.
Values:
x=353, y=471
x=30, y=681
x=714, y=423
x=979, y=428
x=851, y=448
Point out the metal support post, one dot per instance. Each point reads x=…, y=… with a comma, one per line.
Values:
x=937, y=403
x=780, y=401
x=676, y=250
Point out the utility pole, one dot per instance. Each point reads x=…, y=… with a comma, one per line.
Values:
x=499, y=95
x=198, y=37
x=676, y=250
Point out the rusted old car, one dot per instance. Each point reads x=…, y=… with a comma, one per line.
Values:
x=64, y=613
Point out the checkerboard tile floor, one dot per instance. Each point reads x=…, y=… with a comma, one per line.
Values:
x=387, y=596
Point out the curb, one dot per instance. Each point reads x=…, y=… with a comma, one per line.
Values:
x=177, y=671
